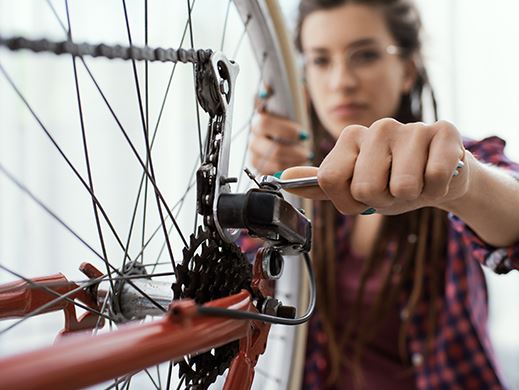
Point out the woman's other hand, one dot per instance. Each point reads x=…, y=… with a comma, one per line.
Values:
x=277, y=143
x=391, y=168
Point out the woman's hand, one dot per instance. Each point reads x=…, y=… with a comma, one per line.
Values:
x=277, y=143
x=391, y=168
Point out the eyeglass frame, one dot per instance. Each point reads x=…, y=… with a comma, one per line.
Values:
x=388, y=50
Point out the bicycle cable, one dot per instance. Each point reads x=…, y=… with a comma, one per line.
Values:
x=219, y=312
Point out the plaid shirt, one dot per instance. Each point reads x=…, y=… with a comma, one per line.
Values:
x=462, y=355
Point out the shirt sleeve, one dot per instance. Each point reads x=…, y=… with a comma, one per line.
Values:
x=500, y=260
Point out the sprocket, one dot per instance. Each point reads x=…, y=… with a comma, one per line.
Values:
x=210, y=270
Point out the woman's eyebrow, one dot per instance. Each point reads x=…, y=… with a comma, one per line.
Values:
x=352, y=45
x=362, y=42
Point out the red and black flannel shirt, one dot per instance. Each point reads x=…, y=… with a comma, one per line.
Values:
x=462, y=356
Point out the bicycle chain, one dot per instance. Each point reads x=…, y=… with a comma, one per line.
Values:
x=107, y=51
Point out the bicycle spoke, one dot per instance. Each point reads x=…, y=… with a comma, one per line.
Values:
x=249, y=124
x=182, y=379
x=151, y=379
x=24, y=189
x=158, y=377
x=163, y=104
x=178, y=204
x=61, y=222
x=104, y=278
x=186, y=25
x=85, y=149
x=103, y=308
x=134, y=150
x=124, y=380
x=225, y=24
x=132, y=147
x=194, y=84
x=238, y=45
x=60, y=151
x=60, y=297
x=149, y=161
x=181, y=204
x=147, y=102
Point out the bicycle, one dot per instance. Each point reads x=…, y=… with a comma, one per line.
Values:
x=210, y=324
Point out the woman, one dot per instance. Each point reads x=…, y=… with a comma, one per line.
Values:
x=401, y=296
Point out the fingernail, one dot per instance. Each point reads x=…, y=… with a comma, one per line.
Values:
x=311, y=156
x=278, y=174
x=303, y=135
x=263, y=94
x=369, y=211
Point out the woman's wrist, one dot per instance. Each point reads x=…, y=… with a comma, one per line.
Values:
x=462, y=195
x=489, y=205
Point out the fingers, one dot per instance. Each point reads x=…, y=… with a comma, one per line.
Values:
x=445, y=150
x=371, y=174
x=277, y=143
x=278, y=129
x=391, y=168
x=315, y=192
x=336, y=171
x=268, y=156
x=409, y=157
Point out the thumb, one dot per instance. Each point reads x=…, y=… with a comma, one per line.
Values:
x=313, y=192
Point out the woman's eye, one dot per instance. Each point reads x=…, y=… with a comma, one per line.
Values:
x=366, y=56
x=320, y=62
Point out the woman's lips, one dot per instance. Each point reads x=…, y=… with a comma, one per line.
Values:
x=348, y=110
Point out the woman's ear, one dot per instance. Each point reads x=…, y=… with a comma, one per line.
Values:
x=410, y=75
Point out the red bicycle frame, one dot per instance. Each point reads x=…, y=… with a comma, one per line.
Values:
x=83, y=360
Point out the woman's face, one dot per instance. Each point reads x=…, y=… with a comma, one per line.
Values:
x=353, y=71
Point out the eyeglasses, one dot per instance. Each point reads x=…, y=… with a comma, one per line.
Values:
x=362, y=61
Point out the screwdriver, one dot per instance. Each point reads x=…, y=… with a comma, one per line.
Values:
x=312, y=180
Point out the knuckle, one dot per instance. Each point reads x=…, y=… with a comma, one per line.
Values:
x=437, y=173
x=327, y=178
x=406, y=187
x=365, y=191
x=446, y=129
x=351, y=132
x=385, y=124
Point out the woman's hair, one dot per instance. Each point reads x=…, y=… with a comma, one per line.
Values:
x=418, y=234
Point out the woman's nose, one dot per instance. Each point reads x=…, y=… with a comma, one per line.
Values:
x=342, y=77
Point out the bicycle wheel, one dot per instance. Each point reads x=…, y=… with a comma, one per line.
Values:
x=78, y=134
